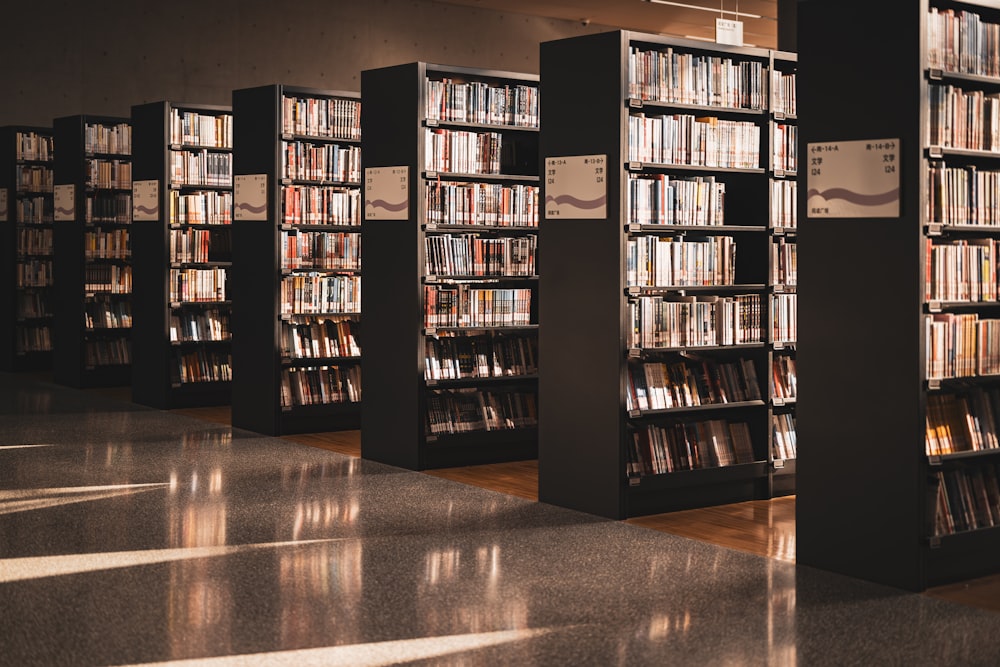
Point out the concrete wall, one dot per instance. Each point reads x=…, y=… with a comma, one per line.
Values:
x=69, y=57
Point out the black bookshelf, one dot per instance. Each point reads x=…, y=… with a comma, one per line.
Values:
x=398, y=376
x=867, y=502
x=264, y=357
x=92, y=323
x=26, y=264
x=171, y=369
x=587, y=459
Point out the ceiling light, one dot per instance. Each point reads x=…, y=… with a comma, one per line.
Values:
x=704, y=9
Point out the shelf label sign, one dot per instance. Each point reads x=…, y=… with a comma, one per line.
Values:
x=728, y=31
x=387, y=193
x=250, y=197
x=576, y=187
x=63, y=204
x=853, y=179
x=145, y=200
x=3, y=204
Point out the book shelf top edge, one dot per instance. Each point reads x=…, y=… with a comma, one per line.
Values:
x=282, y=88
x=635, y=37
x=96, y=119
x=220, y=109
x=473, y=72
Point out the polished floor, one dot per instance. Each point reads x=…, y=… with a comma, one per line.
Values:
x=135, y=536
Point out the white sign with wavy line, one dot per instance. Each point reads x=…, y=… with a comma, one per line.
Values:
x=145, y=200
x=387, y=193
x=250, y=197
x=64, y=206
x=853, y=179
x=576, y=187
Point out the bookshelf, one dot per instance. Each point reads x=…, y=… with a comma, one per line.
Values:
x=26, y=205
x=93, y=279
x=297, y=228
x=451, y=284
x=783, y=271
x=182, y=253
x=631, y=395
x=900, y=492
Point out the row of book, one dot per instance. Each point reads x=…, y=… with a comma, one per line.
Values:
x=201, y=167
x=33, y=305
x=202, y=365
x=467, y=306
x=107, y=174
x=321, y=338
x=702, y=321
x=961, y=270
x=106, y=244
x=783, y=93
x=783, y=441
x=469, y=410
x=655, y=385
x=960, y=41
x=321, y=250
x=489, y=204
x=474, y=255
x=35, y=210
x=666, y=75
x=489, y=355
x=784, y=262
x=321, y=162
x=34, y=241
x=968, y=120
x=965, y=422
x=195, y=245
x=322, y=385
x=961, y=345
x=683, y=139
x=785, y=153
x=33, y=339
x=108, y=207
x=659, y=199
x=33, y=273
x=967, y=499
x=320, y=205
x=204, y=325
x=481, y=102
x=682, y=261
x=107, y=352
x=201, y=208
x=713, y=443
x=963, y=195
x=462, y=152
x=33, y=178
x=33, y=146
x=784, y=377
x=107, y=278
x=336, y=118
x=785, y=318
x=111, y=139
x=197, y=285
x=107, y=314
x=314, y=293
x=191, y=128
x=784, y=204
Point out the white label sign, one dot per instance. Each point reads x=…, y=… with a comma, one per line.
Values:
x=728, y=31
x=65, y=207
x=250, y=197
x=145, y=200
x=3, y=204
x=387, y=193
x=853, y=179
x=576, y=187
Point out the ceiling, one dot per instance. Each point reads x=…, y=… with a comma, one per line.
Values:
x=649, y=17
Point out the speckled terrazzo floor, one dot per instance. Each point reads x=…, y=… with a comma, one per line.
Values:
x=134, y=536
